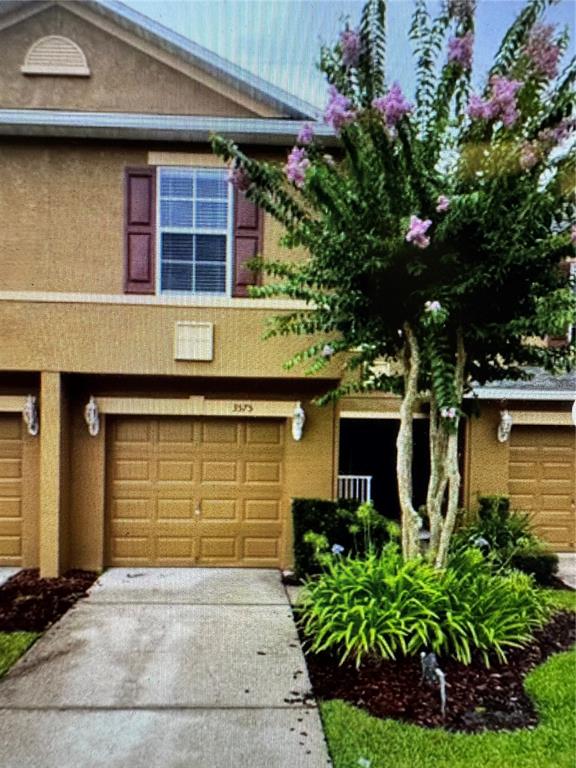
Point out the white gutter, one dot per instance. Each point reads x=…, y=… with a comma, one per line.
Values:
x=497, y=393
x=139, y=126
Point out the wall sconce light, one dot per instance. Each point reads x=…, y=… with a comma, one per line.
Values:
x=298, y=420
x=505, y=426
x=30, y=415
x=92, y=416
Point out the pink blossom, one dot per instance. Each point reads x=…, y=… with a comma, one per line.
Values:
x=542, y=51
x=448, y=413
x=528, y=155
x=350, y=43
x=504, y=98
x=460, y=50
x=478, y=109
x=305, y=134
x=417, y=232
x=296, y=167
x=238, y=177
x=432, y=306
x=502, y=103
x=393, y=106
x=558, y=133
x=339, y=111
x=443, y=203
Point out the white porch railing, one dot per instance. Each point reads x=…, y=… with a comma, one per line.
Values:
x=358, y=487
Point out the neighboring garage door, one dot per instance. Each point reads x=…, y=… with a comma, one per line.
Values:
x=10, y=489
x=185, y=491
x=542, y=481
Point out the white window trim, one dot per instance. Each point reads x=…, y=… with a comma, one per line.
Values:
x=229, y=233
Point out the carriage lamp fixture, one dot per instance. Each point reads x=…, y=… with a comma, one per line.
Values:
x=505, y=426
x=30, y=415
x=298, y=420
x=92, y=416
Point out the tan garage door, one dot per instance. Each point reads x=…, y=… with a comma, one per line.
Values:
x=10, y=489
x=188, y=491
x=542, y=481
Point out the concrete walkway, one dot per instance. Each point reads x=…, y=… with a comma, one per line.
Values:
x=7, y=573
x=567, y=568
x=170, y=668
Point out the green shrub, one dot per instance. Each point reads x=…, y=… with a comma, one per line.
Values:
x=507, y=540
x=319, y=524
x=383, y=607
x=539, y=563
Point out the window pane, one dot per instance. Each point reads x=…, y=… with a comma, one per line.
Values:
x=211, y=215
x=174, y=184
x=211, y=185
x=176, y=246
x=176, y=276
x=210, y=278
x=175, y=213
x=211, y=248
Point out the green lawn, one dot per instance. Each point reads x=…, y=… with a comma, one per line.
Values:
x=563, y=598
x=353, y=734
x=12, y=646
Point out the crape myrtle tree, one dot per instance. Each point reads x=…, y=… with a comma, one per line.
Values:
x=435, y=229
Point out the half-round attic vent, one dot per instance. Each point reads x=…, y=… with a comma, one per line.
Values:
x=55, y=55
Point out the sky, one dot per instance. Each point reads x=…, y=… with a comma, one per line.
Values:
x=279, y=40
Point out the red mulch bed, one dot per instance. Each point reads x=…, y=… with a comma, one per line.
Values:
x=31, y=604
x=478, y=698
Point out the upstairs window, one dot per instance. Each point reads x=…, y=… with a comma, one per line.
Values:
x=187, y=231
x=194, y=231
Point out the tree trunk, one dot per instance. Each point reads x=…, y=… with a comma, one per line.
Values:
x=451, y=464
x=404, y=446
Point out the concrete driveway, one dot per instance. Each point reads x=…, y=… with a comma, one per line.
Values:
x=167, y=668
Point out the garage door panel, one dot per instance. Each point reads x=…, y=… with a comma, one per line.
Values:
x=261, y=548
x=10, y=429
x=542, y=481
x=10, y=507
x=263, y=472
x=131, y=509
x=263, y=434
x=229, y=470
x=221, y=432
x=11, y=548
x=129, y=431
x=131, y=469
x=221, y=509
x=175, y=509
x=218, y=548
x=219, y=471
x=11, y=472
x=175, y=469
x=10, y=468
x=174, y=548
x=262, y=510
x=557, y=471
x=176, y=432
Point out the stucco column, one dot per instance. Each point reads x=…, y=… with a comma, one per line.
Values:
x=53, y=468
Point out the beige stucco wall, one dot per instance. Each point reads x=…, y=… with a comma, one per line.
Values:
x=123, y=78
x=63, y=217
x=62, y=207
x=133, y=339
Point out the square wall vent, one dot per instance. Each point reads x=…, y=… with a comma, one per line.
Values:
x=194, y=341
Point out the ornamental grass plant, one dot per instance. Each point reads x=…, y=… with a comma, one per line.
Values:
x=383, y=606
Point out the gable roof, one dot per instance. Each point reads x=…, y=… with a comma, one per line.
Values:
x=176, y=44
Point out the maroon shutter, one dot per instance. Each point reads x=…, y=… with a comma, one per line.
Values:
x=140, y=207
x=561, y=341
x=248, y=239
